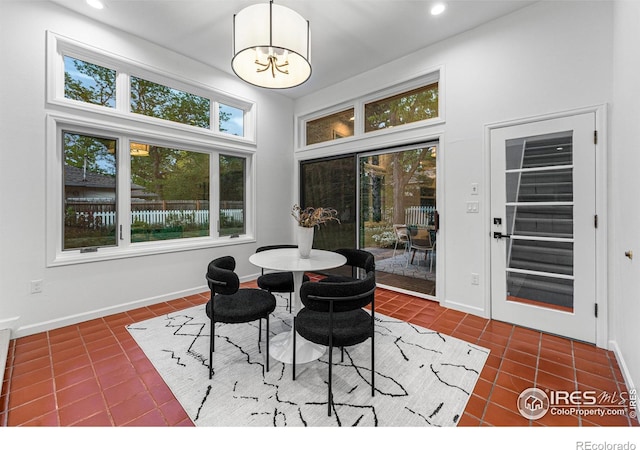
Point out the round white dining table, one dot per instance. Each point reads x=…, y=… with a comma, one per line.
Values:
x=289, y=260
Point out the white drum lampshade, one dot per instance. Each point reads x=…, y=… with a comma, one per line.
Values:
x=271, y=46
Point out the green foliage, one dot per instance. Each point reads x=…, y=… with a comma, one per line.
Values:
x=413, y=106
x=163, y=102
x=99, y=87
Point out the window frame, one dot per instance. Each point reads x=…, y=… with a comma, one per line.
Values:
x=59, y=46
x=430, y=76
x=68, y=115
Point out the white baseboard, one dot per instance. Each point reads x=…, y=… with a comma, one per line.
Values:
x=613, y=345
x=5, y=337
x=115, y=309
x=97, y=313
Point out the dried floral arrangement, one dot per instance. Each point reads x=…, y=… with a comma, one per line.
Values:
x=311, y=217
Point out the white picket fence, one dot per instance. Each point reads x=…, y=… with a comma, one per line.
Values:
x=419, y=215
x=162, y=217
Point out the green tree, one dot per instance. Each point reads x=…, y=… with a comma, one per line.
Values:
x=98, y=86
x=90, y=153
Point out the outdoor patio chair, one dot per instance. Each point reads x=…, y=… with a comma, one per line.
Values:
x=402, y=237
x=422, y=243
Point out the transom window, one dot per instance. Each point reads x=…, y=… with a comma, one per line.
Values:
x=95, y=84
x=156, y=100
x=89, y=83
x=334, y=126
x=401, y=109
x=414, y=103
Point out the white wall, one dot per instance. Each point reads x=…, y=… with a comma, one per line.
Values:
x=529, y=63
x=624, y=164
x=80, y=292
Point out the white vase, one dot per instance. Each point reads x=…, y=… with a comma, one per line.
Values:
x=305, y=241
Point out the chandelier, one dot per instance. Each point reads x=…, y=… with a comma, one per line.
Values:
x=271, y=46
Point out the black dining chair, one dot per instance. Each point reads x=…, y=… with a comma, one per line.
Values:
x=231, y=304
x=280, y=282
x=333, y=316
x=361, y=262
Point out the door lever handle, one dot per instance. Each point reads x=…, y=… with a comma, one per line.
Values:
x=498, y=235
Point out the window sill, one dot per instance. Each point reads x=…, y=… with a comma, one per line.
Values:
x=143, y=249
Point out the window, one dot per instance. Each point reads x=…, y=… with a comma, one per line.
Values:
x=334, y=126
x=156, y=100
x=89, y=83
x=96, y=78
x=232, y=195
x=414, y=103
x=90, y=191
x=400, y=109
x=169, y=193
x=231, y=120
x=119, y=182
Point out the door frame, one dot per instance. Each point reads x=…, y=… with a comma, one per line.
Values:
x=601, y=245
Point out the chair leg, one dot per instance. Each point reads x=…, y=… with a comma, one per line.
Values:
x=373, y=389
x=293, y=365
x=259, y=334
x=211, y=347
x=267, y=339
x=290, y=302
x=330, y=397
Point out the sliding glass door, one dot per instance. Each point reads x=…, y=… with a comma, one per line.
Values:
x=398, y=218
x=386, y=201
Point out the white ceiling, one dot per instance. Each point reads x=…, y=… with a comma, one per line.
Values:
x=347, y=36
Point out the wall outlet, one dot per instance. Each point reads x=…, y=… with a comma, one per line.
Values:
x=475, y=279
x=36, y=286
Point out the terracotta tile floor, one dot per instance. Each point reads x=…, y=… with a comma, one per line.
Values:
x=94, y=374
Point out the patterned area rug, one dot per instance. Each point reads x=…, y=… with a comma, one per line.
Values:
x=423, y=378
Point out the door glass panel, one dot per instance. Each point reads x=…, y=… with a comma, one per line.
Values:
x=542, y=256
x=555, y=293
x=540, y=186
x=330, y=183
x=539, y=219
x=540, y=151
x=397, y=216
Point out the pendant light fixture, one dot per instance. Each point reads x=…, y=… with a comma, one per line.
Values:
x=271, y=46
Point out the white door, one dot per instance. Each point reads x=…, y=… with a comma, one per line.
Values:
x=543, y=244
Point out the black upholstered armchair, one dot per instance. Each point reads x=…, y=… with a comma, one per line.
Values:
x=333, y=316
x=230, y=304
x=281, y=282
x=361, y=262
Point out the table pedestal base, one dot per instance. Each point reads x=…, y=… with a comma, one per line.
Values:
x=281, y=348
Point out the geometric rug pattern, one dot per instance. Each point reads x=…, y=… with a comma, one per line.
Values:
x=422, y=377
